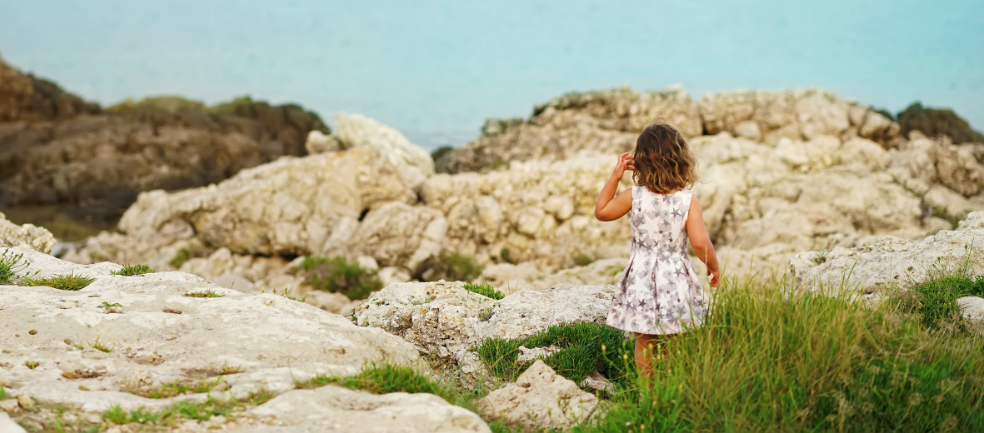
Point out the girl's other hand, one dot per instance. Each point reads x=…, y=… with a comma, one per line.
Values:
x=715, y=278
x=625, y=162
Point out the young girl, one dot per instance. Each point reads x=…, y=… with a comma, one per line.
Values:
x=660, y=293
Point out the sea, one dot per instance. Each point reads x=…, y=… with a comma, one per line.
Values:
x=435, y=69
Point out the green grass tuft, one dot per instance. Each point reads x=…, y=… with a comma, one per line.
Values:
x=129, y=271
x=168, y=390
x=111, y=308
x=100, y=347
x=454, y=267
x=340, y=275
x=194, y=250
x=935, y=299
x=582, y=260
x=62, y=282
x=485, y=289
x=31, y=364
x=210, y=293
x=187, y=410
x=10, y=263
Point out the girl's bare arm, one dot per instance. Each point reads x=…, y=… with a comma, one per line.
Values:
x=609, y=207
x=702, y=242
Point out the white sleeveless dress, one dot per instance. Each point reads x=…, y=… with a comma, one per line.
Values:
x=660, y=292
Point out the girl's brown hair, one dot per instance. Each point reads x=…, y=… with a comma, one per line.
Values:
x=663, y=160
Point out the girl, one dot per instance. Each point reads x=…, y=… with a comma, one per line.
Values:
x=660, y=293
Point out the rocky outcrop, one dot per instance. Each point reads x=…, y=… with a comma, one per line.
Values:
x=936, y=122
x=540, y=399
x=890, y=262
x=152, y=333
x=356, y=130
x=25, y=236
x=56, y=149
x=446, y=321
x=336, y=409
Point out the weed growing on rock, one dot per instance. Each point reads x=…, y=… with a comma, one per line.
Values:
x=31, y=364
x=286, y=295
x=112, y=308
x=584, y=348
x=194, y=250
x=582, y=260
x=10, y=263
x=453, y=267
x=340, y=275
x=485, y=289
x=168, y=390
x=129, y=271
x=3, y=393
x=100, y=347
x=70, y=282
x=935, y=299
x=228, y=369
x=210, y=293
x=820, y=257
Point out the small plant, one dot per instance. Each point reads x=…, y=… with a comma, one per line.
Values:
x=583, y=259
x=83, y=388
x=3, y=393
x=228, y=369
x=210, y=293
x=821, y=256
x=286, y=294
x=506, y=256
x=175, y=388
x=454, y=267
x=194, y=250
x=100, y=347
x=485, y=289
x=129, y=271
x=340, y=275
x=31, y=364
x=112, y=308
x=10, y=263
x=70, y=282
x=935, y=299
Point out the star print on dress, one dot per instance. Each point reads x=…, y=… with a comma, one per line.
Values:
x=660, y=292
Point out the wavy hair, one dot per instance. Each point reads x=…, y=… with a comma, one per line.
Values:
x=663, y=160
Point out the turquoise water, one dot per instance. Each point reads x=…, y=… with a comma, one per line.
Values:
x=436, y=68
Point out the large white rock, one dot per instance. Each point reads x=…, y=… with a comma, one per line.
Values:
x=159, y=335
x=892, y=262
x=25, y=236
x=336, y=409
x=356, y=130
x=540, y=399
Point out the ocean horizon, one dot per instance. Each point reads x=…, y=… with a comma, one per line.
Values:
x=436, y=69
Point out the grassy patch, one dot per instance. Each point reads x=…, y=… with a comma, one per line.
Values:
x=210, y=293
x=10, y=263
x=582, y=260
x=61, y=282
x=485, y=289
x=584, y=348
x=31, y=364
x=935, y=299
x=168, y=390
x=187, y=410
x=100, y=347
x=194, y=250
x=131, y=270
x=340, y=275
x=454, y=267
x=771, y=359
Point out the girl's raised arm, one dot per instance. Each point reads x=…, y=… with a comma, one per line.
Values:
x=608, y=207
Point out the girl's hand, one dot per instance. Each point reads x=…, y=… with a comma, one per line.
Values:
x=624, y=163
x=715, y=278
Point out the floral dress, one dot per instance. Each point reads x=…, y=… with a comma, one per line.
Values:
x=660, y=292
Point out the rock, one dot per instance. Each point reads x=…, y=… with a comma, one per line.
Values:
x=24, y=97
x=527, y=354
x=163, y=336
x=356, y=130
x=602, y=121
x=336, y=409
x=25, y=401
x=539, y=399
x=595, y=381
x=525, y=275
x=397, y=235
x=937, y=122
x=971, y=308
x=8, y=425
x=25, y=236
x=9, y=405
x=318, y=142
x=445, y=321
x=892, y=262
x=949, y=204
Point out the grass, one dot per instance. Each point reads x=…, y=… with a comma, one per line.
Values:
x=31, y=364
x=210, y=293
x=584, y=349
x=10, y=263
x=129, y=271
x=935, y=299
x=772, y=359
x=820, y=257
x=70, y=282
x=111, y=308
x=168, y=390
x=340, y=275
x=186, y=410
x=485, y=289
x=100, y=347
x=194, y=250
x=454, y=267
x=582, y=260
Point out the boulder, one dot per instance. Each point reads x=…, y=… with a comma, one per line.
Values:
x=336, y=409
x=356, y=130
x=157, y=335
x=512, y=277
x=888, y=261
x=25, y=236
x=319, y=142
x=539, y=399
x=971, y=308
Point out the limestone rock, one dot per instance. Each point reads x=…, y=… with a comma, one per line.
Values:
x=25, y=236
x=397, y=235
x=318, y=142
x=893, y=262
x=540, y=399
x=356, y=130
x=971, y=308
x=335, y=409
x=162, y=336
x=8, y=425
x=526, y=275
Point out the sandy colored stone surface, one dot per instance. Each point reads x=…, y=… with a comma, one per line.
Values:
x=540, y=399
x=336, y=409
x=25, y=236
x=159, y=335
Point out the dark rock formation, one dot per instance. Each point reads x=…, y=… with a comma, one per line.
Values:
x=936, y=122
